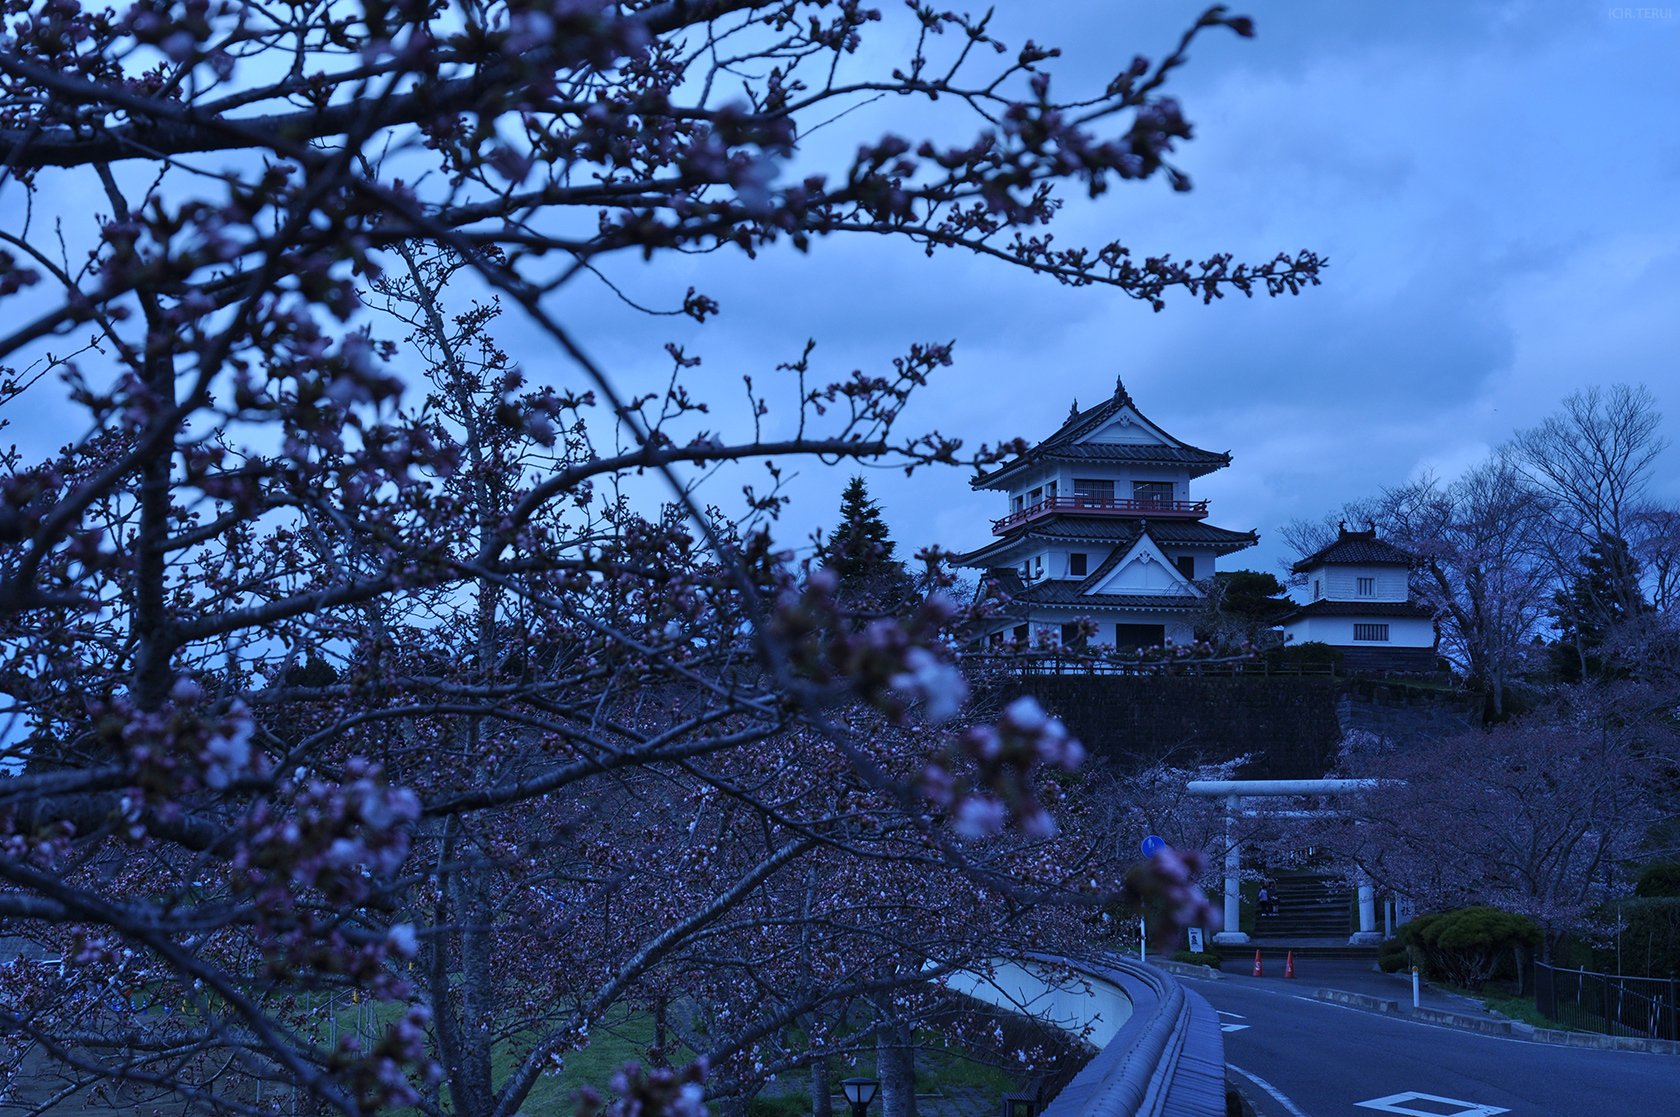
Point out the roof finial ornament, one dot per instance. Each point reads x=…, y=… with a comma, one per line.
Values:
x=1120, y=393
x=1073, y=412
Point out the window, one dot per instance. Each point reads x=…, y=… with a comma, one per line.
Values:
x=1152, y=492
x=997, y=639
x=1038, y=567
x=1376, y=632
x=1017, y=503
x=1316, y=593
x=1021, y=633
x=1186, y=566
x=1367, y=587
x=1072, y=636
x=1076, y=563
x=1035, y=498
x=1131, y=637
x=1052, y=490
x=1093, y=492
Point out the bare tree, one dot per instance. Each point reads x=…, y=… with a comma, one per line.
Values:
x=1656, y=543
x=1593, y=461
x=1482, y=564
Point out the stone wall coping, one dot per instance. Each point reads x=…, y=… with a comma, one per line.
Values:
x=1133, y=1075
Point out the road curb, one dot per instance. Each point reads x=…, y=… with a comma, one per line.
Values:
x=1185, y=969
x=1357, y=1000
x=1607, y=1043
x=1500, y=1027
x=1454, y=1020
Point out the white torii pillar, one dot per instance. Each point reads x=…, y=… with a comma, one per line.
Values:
x=1233, y=792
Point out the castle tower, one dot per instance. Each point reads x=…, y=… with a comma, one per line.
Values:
x=1100, y=524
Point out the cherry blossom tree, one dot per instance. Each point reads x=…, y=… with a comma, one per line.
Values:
x=365, y=744
x=1539, y=817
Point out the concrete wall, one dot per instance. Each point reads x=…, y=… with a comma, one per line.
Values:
x=1070, y=1004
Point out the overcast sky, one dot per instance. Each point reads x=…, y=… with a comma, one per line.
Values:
x=1494, y=185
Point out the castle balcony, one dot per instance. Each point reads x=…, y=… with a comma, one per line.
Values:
x=1118, y=507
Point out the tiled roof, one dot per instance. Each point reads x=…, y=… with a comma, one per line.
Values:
x=1064, y=445
x=1356, y=547
x=1066, y=592
x=1360, y=609
x=1068, y=527
x=1192, y=533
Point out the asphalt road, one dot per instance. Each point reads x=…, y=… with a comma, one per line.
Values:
x=1323, y=1060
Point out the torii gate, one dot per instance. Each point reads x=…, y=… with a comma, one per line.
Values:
x=1233, y=792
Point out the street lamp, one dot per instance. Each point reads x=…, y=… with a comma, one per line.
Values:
x=859, y=1092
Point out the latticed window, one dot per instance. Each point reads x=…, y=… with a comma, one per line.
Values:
x=1375, y=632
x=1152, y=492
x=1093, y=492
x=1367, y=587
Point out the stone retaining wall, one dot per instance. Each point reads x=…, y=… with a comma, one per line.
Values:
x=1293, y=726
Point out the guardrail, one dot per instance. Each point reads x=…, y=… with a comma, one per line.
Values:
x=1061, y=665
x=1099, y=506
x=1615, y=1004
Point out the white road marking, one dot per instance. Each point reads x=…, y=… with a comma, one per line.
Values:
x=1277, y=1095
x=1396, y=1103
x=1238, y=1015
x=1224, y=1027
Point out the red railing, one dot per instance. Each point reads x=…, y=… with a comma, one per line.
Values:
x=1097, y=506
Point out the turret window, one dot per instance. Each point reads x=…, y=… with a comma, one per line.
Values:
x=1076, y=564
x=1186, y=566
x=1152, y=492
x=1367, y=587
x=1376, y=632
x=1087, y=491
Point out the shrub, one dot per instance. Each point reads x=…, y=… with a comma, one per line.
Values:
x=1310, y=651
x=1650, y=937
x=1393, y=955
x=1198, y=958
x=1659, y=879
x=1468, y=946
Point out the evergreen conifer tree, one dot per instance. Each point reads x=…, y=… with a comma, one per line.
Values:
x=1603, y=593
x=861, y=552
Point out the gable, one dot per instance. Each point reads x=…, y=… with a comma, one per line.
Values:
x=1129, y=427
x=1144, y=569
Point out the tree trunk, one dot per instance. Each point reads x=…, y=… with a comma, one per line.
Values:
x=471, y=1086
x=895, y=1065
x=822, y=1104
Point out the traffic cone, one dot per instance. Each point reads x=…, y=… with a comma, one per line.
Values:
x=1289, y=965
x=1256, y=963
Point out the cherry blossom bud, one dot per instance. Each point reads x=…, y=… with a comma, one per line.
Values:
x=979, y=817
x=1024, y=716
x=400, y=938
